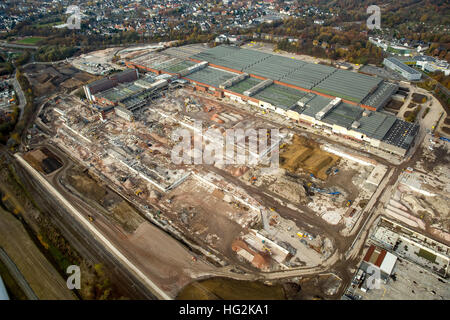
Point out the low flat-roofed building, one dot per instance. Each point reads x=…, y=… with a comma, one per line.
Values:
x=406, y=71
x=380, y=259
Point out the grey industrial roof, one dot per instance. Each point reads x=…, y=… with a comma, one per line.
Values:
x=315, y=105
x=178, y=66
x=145, y=81
x=121, y=91
x=280, y=96
x=231, y=57
x=383, y=92
x=348, y=85
x=343, y=115
x=211, y=76
x=308, y=75
x=375, y=125
x=244, y=85
x=402, y=66
x=274, y=67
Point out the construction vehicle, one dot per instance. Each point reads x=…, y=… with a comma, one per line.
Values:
x=267, y=249
x=334, y=193
x=302, y=235
x=138, y=192
x=91, y=218
x=349, y=202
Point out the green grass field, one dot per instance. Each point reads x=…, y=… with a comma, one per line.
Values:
x=29, y=40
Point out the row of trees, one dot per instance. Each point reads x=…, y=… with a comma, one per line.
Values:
x=54, y=52
x=20, y=126
x=349, y=45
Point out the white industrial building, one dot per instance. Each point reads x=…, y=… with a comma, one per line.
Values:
x=406, y=72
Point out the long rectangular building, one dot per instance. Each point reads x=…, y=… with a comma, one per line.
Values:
x=406, y=71
x=342, y=102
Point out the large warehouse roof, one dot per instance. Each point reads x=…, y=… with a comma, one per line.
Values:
x=177, y=66
x=372, y=124
x=231, y=57
x=323, y=81
x=275, y=67
x=280, y=96
x=308, y=76
x=381, y=95
x=375, y=124
x=343, y=115
x=315, y=105
x=244, y=85
x=211, y=76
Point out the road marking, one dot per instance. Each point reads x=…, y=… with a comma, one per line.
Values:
x=91, y=228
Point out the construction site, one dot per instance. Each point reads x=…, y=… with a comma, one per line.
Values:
x=409, y=242
x=419, y=198
x=300, y=212
x=197, y=200
x=215, y=207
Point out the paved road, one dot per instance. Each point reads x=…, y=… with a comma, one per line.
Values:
x=17, y=275
x=20, y=94
x=17, y=46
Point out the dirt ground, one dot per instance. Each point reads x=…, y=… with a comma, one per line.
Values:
x=304, y=155
x=205, y=215
x=230, y=289
x=165, y=259
x=43, y=160
x=48, y=79
x=322, y=287
x=114, y=206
